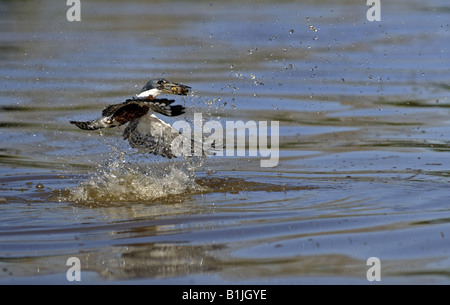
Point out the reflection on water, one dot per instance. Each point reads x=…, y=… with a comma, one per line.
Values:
x=363, y=110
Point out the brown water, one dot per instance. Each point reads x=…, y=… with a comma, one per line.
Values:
x=364, y=165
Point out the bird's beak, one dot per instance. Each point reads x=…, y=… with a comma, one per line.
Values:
x=177, y=89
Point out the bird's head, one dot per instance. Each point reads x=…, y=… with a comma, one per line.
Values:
x=158, y=86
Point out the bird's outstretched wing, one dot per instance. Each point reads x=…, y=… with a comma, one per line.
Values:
x=162, y=106
x=130, y=110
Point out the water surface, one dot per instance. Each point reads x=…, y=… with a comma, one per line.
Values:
x=363, y=171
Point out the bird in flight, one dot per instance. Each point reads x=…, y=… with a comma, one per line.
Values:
x=145, y=131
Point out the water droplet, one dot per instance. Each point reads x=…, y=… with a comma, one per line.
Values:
x=312, y=28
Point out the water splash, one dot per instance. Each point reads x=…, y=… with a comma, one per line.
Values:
x=122, y=180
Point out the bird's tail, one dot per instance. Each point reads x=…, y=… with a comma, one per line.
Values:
x=104, y=122
x=85, y=125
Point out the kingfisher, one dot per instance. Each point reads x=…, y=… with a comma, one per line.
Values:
x=145, y=130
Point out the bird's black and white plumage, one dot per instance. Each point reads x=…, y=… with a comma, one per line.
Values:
x=145, y=131
x=130, y=110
